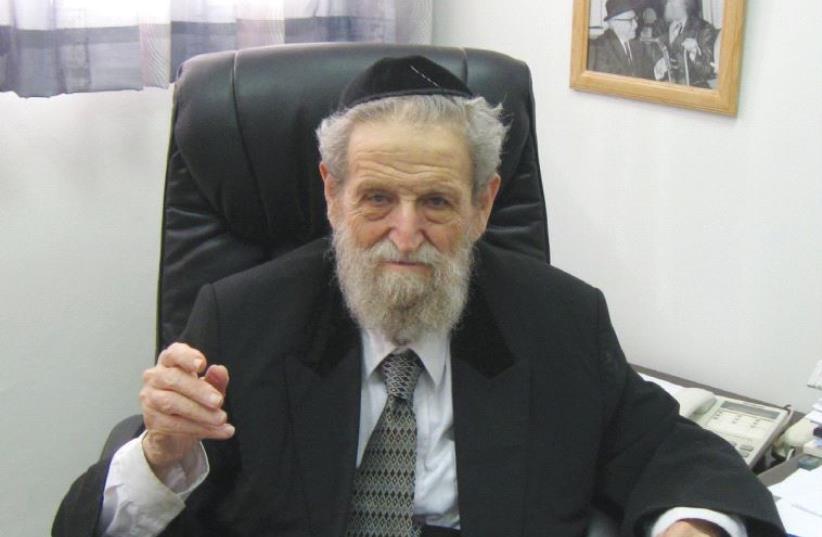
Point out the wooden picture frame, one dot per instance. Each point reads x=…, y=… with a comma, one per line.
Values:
x=722, y=98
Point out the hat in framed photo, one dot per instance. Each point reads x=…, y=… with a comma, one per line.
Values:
x=618, y=7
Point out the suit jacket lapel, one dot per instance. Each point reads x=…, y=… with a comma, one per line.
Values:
x=491, y=409
x=324, y=398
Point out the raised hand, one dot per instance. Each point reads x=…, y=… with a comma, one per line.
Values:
x=180, y=407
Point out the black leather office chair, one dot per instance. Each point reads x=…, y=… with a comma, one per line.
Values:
x=242, y=184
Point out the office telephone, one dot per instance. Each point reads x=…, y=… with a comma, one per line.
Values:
x=749, y=427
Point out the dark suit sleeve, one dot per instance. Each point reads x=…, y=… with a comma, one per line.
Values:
x=80, y=509
x=78, y=512
x=653, y=460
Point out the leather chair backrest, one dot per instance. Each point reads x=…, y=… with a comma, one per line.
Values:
x=242, y=184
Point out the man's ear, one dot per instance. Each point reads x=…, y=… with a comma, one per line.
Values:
x=330, y=187
x=485, y=202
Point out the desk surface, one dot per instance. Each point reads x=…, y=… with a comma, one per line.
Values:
x=779, y=472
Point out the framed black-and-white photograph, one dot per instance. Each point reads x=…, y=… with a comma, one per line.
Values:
x=678, y=52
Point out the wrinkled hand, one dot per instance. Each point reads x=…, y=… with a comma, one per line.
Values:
x=693, y=528
x=180, y=408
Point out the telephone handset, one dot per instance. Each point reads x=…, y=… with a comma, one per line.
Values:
x=693, y=401
x=749, y=427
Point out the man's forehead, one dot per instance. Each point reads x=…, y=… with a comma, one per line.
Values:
x=408, y=144
x=421, y=184
x=409, y=159
x=404, y=135
x=417, y=177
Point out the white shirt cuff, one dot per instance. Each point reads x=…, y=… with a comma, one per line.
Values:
x=732, y=524
x=136, y=502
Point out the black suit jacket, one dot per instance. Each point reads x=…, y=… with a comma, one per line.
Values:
x=548, y=417
x=607, y=55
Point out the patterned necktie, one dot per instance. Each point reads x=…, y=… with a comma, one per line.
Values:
x=383, y=497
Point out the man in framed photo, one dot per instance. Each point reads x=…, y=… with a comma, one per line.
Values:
x=687, y=47
x=618, y=51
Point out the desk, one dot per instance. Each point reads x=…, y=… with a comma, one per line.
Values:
x=799, y=501
x=774, y=475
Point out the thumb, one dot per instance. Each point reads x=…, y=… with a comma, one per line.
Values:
x=217, y=376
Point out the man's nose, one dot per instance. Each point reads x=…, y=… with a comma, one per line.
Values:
x=406, y=228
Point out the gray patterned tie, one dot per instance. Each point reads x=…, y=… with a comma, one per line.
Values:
x=383, y=497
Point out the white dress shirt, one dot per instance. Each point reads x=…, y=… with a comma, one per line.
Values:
x=626, y=46
x=135, y=502
x=435, y=481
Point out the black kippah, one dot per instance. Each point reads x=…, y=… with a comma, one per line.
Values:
x=395, y=77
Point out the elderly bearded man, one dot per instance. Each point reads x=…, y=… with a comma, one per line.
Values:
x=405, y=378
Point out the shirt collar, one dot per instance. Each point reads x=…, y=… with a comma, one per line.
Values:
x=432, y=349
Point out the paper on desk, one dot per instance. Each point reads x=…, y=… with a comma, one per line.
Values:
x=803, y=489
x=815, y=416
x=669, y=387
x=798, y=522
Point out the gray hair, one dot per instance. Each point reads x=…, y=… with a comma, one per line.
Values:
x=480, y=123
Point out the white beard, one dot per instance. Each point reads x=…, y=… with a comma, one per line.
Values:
x=402, y=306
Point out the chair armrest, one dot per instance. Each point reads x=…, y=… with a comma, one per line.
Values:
x=124, y=431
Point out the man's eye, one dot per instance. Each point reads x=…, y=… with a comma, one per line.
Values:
x=377, y=199
x=437, y=202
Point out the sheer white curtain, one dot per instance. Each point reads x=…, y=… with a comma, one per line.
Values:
x=48, y=47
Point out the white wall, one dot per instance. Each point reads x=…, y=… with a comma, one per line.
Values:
x=704, y=232
x=81, y=181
